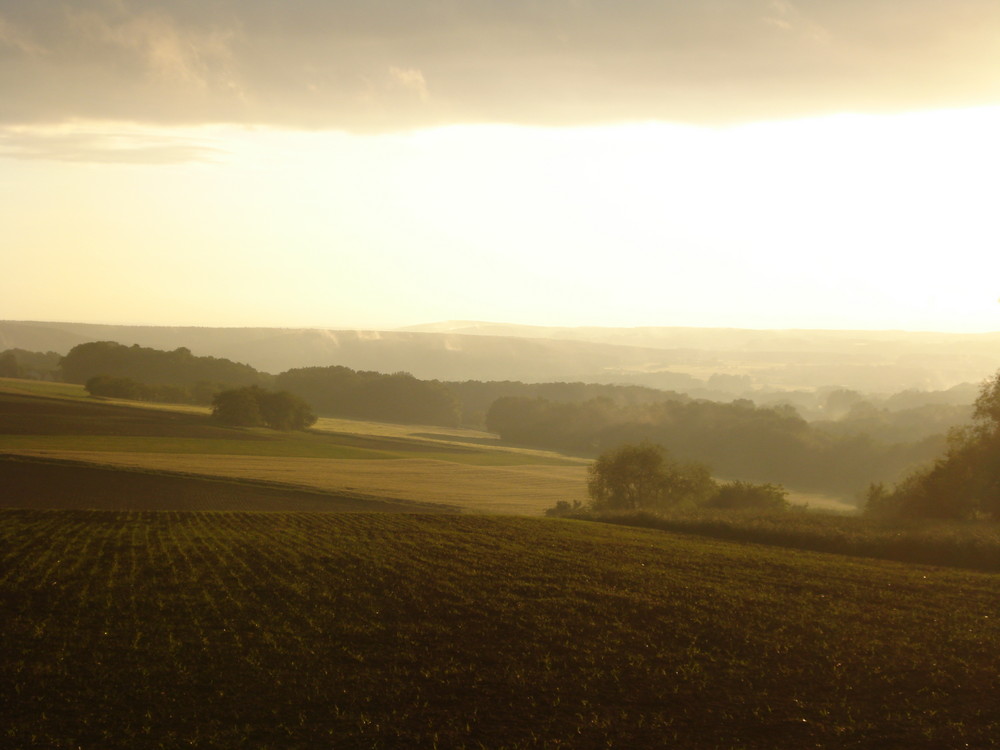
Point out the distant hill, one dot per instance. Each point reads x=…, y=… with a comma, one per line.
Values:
x=683, y=359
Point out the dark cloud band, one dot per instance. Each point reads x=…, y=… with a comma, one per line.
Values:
x=398, y=64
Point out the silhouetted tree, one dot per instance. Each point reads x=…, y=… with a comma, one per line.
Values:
x=283, y=411
x=963, y=483
x=111, y=387
x=397, y=397
x=253, y=406
x=640, y=476
x=153, y=366
x=237, y=408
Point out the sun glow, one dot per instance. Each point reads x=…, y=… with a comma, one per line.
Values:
x=837, y=222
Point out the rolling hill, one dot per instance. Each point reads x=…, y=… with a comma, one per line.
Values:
x=683, y=359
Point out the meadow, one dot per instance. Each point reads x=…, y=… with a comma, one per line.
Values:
x=274, y=630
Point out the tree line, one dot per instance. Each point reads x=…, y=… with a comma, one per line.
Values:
x=738, y=439
x=21, y=363
x=111, y=369
x=475, y=397
x=396, y=397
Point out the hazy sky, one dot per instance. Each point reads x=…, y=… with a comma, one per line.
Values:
x=746, y=163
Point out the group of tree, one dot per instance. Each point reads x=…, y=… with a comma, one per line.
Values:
x=359, y=394
x=769, y=444
x=20, y=363
x=642, y=476
x=963, y=483
x=114, y=370
x=904, y=416
x=109, y=386
x=154, y=367
x=256, y=407
x=476, y=397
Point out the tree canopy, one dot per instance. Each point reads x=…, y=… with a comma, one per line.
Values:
x=738, y=439
x=641, y=476
x=153, y=366
x=253, y=406
x=397, y=397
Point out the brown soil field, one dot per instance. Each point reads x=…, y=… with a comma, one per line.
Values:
x=28, y=482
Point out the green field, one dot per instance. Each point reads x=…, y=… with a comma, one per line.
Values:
x=272, y=630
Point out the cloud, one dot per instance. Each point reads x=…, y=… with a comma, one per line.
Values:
x=73, y=144
x=14, y=38
x=401, y=64
x=170, y=54
x=412, y=80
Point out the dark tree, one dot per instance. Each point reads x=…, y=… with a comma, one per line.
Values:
x=283, y=411
x=748, y=496
x=253, y=406
x=153, y=366
x=640, y=476
x=399, y=397
x=962, y=484
x=111, y=387
x=237, y=408
x=9, y=367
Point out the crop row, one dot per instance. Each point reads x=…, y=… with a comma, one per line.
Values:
x=298, y=630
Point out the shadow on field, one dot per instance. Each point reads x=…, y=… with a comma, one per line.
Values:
x=28, y=482
x=37, y=415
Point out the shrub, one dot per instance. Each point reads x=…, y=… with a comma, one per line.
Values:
x=748, y=496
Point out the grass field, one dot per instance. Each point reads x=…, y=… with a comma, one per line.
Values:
x=411, y=463
x=271, y=630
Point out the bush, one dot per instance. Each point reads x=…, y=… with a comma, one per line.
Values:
x=748, y=496
x=112, y=387
x=564, y=508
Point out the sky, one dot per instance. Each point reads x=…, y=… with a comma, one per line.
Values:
x=321, y=163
